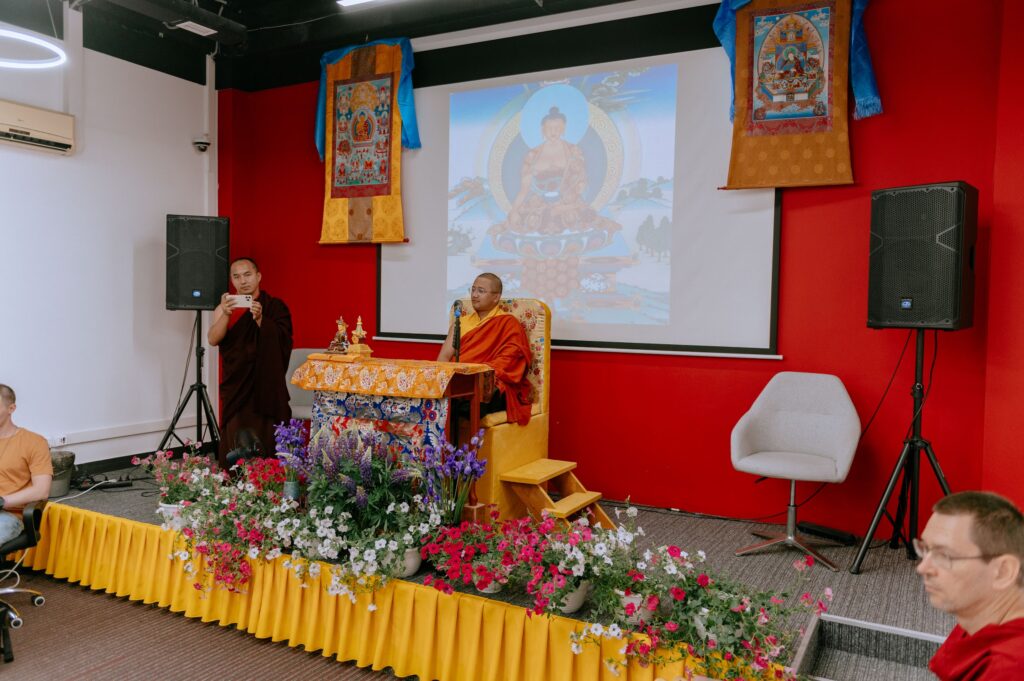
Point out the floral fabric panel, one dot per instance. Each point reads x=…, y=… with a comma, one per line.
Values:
x=409, y=423
x=392, y=377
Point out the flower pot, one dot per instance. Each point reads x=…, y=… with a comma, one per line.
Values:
x=413, y=560
x=492, y=588
x=171, y=514
x=640, y=614
x=574, y=600
x=291, y=489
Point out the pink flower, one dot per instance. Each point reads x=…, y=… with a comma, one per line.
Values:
x=652, y=603
x=674, y=551
x=630, y=609
x=671, y=626
x=776, y=600
x=828, y=593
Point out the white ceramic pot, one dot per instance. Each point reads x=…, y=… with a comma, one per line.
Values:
x=574, y=600
x=413, y=560
x=641, y=614
x=171, y=513
x=492, y=588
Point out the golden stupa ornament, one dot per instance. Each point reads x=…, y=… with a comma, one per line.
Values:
x=357, y=347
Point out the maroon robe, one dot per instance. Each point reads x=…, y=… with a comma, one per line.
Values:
x=253, y=385
x=993, y=653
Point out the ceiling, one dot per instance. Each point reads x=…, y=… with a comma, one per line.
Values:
x=264, y=43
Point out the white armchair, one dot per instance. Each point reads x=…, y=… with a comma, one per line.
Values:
x=301, y=401
x=801, y=427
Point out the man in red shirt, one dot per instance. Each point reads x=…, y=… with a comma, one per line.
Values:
x=971, y=553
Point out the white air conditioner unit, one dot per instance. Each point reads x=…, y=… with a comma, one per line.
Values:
x=39, y=128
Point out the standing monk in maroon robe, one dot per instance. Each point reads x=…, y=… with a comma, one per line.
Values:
x=493, y=337
x=255, y=349
x=971, y=555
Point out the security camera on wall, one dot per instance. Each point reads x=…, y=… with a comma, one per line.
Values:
x=201, y=144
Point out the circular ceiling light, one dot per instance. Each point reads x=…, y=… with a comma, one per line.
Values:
x=59, y=56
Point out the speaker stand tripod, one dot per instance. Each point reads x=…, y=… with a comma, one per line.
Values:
x=202, y=399
x=909, y=466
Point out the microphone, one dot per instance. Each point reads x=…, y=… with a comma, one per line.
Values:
x=457, y=331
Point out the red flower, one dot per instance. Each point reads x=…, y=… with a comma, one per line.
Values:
x=674, y=551
x=671, y=626
x=703, y=579
x=677, y=593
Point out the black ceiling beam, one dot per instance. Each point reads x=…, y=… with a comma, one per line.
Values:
x=634, y=37
x=172, y=12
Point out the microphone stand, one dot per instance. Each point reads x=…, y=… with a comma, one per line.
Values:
x=457, y=332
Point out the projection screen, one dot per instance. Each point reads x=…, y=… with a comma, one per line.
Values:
x=595, y=189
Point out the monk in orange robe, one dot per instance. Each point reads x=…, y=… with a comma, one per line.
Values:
x=971, y=554
x=491, y=336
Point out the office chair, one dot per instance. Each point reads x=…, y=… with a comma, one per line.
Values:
x=10, y=618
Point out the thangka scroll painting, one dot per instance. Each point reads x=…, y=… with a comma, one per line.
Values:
x=791, y=82
x=364, y=116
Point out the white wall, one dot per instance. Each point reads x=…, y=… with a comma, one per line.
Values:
x=84, y=336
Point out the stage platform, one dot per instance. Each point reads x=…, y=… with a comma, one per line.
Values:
x=111, y=541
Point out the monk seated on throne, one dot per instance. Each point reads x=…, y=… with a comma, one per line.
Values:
x=491, y=336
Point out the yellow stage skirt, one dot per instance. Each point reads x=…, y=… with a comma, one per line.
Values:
x=414, y=630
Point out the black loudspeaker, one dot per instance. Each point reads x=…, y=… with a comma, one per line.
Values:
x=197, y=261
x=922, y=256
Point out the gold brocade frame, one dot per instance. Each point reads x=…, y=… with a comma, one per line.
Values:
x=364, y=219
x=790, y=156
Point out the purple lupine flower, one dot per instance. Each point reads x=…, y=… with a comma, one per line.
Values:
x=362, y=499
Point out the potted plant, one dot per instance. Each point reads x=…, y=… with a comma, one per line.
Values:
x=177, y=478
x=479, y=554
x=718, y=627
x=559, y=564
x=234, y=524
x=449, y=473
x=290, y=438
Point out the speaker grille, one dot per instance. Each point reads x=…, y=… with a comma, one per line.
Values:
x=920, y=272
x=197, y=261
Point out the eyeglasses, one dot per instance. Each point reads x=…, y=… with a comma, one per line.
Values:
x=481, y=291
x=940, y=558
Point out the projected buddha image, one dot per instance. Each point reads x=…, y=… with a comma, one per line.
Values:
x=549, y=195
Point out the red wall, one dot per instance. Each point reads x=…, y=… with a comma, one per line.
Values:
x=656, y=428
x=1003, y=463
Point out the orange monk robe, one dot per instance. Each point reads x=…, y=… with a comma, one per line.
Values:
x=499, y=341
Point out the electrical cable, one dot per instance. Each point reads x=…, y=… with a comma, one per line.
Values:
x=931, y=376
x=297, y=23
x=188, y=362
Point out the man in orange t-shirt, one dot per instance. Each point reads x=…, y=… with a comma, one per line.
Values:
x=971, y=555
x=491, y=336
x=25, y=468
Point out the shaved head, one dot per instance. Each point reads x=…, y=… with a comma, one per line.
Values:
x=7, y=395
x=494, y=279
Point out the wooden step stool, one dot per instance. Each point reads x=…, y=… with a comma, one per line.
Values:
x=532, y=482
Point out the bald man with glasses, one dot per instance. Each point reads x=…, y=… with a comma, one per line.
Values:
x=971, y=552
